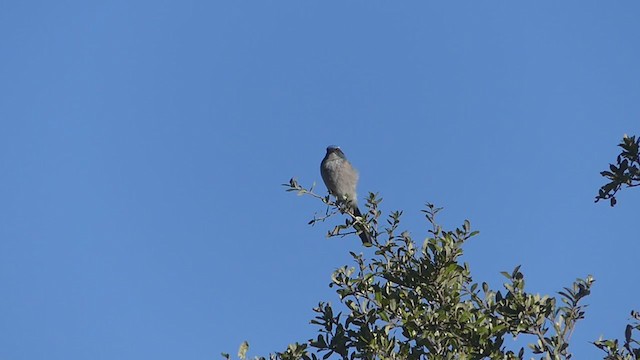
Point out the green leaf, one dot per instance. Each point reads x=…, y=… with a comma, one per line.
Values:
x=242, y=352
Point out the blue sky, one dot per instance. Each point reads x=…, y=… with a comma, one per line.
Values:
x=143, y=144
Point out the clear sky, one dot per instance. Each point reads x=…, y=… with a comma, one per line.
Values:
x=143, y=144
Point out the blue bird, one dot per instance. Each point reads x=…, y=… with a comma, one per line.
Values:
x=341, y=179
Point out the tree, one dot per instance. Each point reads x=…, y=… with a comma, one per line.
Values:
x=419, y=301
x=626, y=171
x=630, y=349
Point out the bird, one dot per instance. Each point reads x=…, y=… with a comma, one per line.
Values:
x=341, y=179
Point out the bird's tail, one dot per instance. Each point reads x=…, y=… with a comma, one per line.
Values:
x=362, y=231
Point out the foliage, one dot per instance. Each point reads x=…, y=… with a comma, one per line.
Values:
x=626, y=171
x=417, y=302
x=630, y=349
x=407, y=302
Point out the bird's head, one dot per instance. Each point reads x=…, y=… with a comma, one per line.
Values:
x=334, y=149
